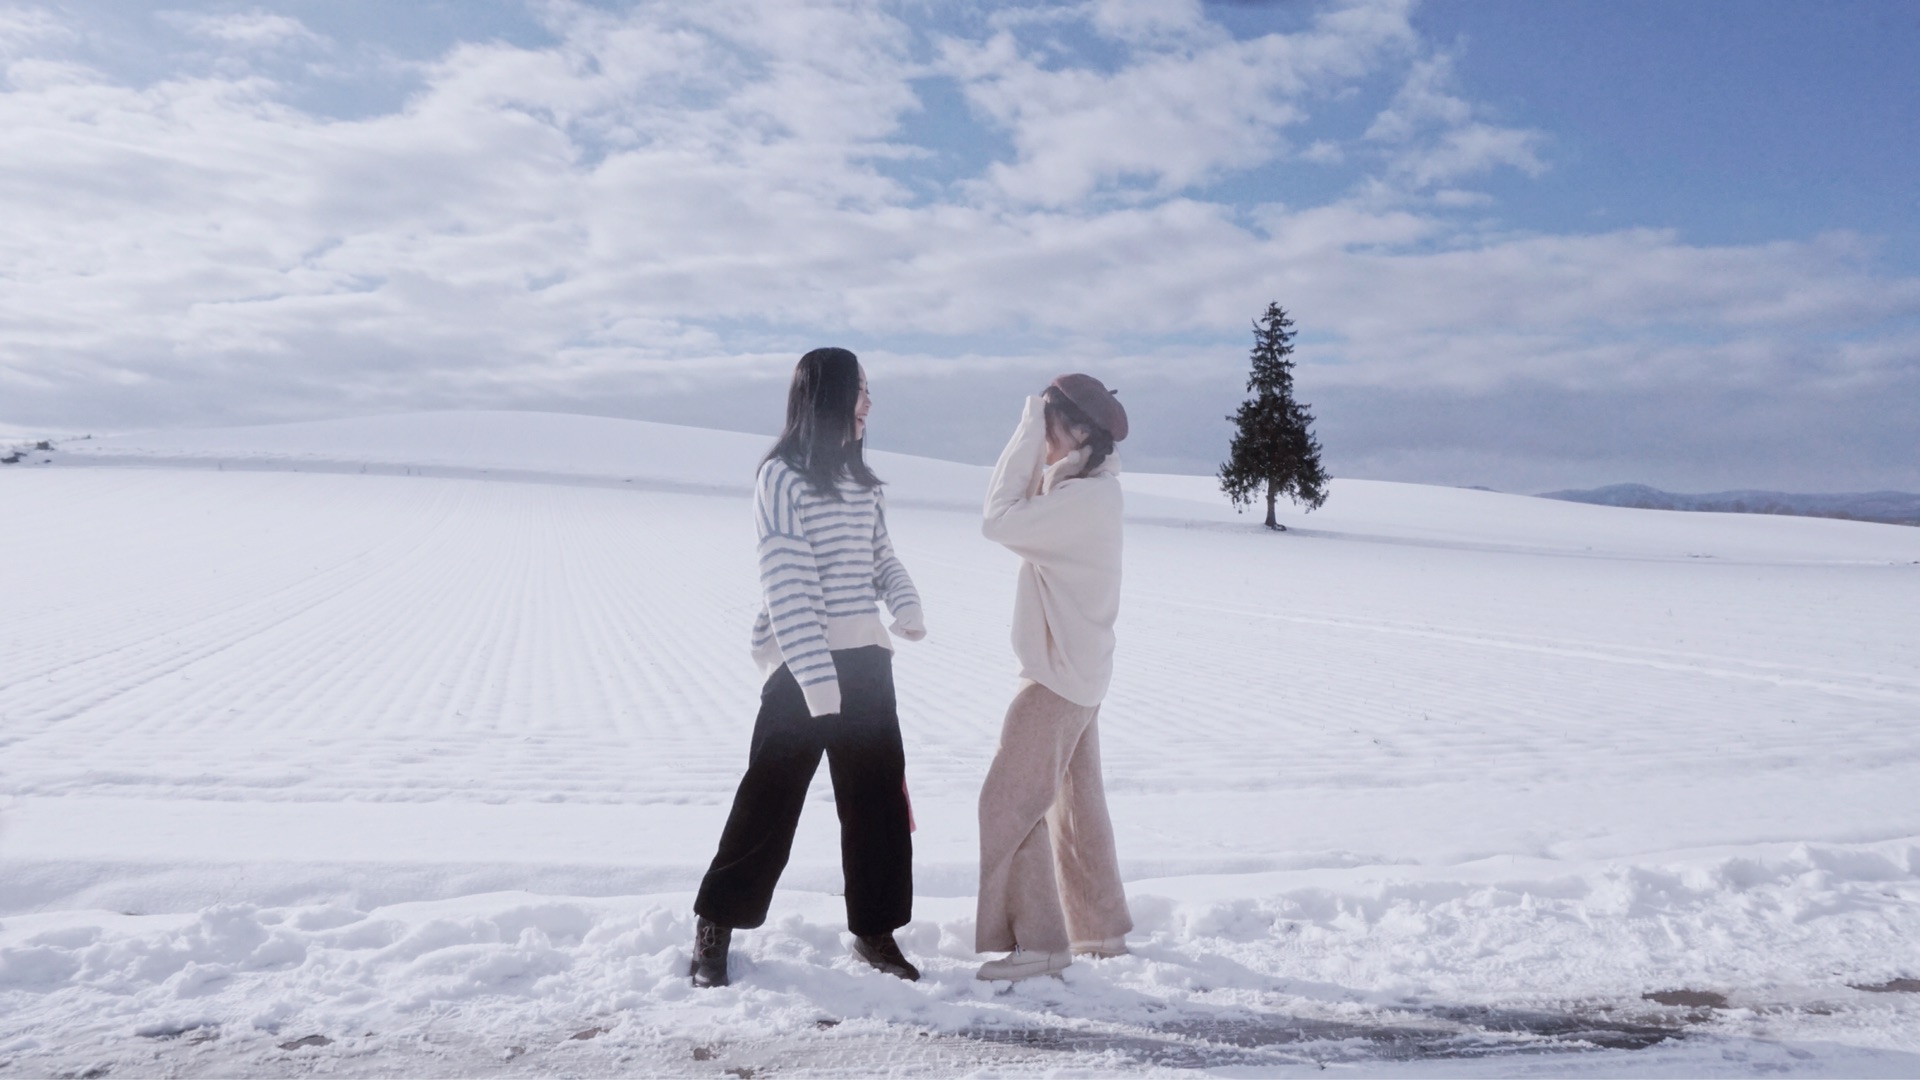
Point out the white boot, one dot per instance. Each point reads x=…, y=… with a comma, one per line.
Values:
x=1101, y=949
x=1024, y=964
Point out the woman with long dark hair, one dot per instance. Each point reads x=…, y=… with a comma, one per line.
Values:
x=1049, y=876
x=825, y=561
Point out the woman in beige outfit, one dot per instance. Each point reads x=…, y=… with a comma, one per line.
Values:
x=1049, y=877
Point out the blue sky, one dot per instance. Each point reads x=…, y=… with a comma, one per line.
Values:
x=1526, y=245
x=1737, y=121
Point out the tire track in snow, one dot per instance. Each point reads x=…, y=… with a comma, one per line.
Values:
x=340, y=661
x=1342, y=704
x=456, y=639
x=119, y=669
x=1845, y=683
x=1352, y=710
x=326, y=644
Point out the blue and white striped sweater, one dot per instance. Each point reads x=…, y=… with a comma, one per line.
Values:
x=824, y=563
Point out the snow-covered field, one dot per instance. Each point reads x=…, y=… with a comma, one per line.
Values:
x=397, y=747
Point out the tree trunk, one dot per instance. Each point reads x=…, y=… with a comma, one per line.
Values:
x=1271, y=523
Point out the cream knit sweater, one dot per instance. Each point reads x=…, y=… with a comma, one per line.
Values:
x=1066, y=530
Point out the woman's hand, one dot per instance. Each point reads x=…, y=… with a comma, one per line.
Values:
x=909, y=625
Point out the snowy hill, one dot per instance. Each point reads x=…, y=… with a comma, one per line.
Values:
x=414, y=733
x=572, y=449
x=1889, y=507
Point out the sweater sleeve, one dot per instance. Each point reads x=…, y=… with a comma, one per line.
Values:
x=1017, y=475
x=790, y=587
x=891, y=583
x=1039, y=530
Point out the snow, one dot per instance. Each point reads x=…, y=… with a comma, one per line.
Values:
x=415, y=733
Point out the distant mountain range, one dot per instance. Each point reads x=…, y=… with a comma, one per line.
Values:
x=1891, y=507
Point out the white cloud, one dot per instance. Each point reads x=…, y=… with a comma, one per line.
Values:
x=1151, y=21
x=686, y=195
x=23, y=29
x=1423, y=102
x=1178, y=112
x=1437, y=138
x=1472, y=150
x=247, y=30
x=1324, y=152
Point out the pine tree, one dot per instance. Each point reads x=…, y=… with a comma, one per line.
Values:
x=1273, y=452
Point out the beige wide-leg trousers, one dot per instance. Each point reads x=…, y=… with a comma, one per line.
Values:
x=1048, y=872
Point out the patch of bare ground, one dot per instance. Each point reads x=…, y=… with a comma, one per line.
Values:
x=1891, y=986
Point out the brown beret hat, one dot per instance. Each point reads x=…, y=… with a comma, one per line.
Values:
x=1096, y=401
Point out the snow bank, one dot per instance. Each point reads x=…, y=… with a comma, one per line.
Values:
x=1358, y=960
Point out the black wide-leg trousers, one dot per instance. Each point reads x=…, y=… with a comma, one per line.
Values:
x=868, y=766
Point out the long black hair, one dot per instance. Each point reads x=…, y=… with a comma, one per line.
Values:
x=1063, y=415
x=818, y=441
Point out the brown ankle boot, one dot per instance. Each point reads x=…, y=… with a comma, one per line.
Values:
x=710, y=944
x=883, y=952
